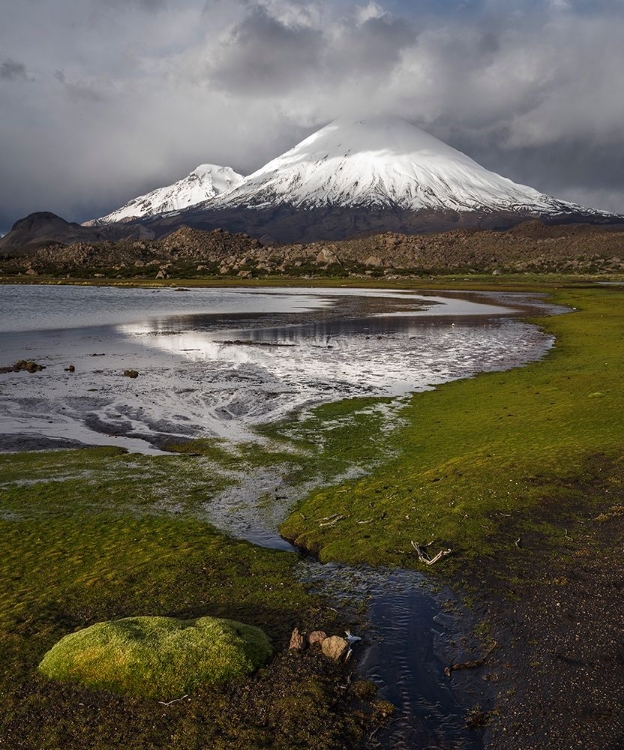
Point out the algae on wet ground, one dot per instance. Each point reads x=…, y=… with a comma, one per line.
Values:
x=319, y=444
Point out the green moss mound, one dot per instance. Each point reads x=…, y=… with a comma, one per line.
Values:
x=157, y=657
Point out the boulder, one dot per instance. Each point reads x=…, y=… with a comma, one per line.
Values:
x=157, y=657
x=327, y=256
x=335, y=647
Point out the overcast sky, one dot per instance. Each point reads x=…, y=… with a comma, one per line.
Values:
x=101, y=100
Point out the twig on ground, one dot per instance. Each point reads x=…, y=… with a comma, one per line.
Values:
x=421, y=551
x=175, y=700
x=333, y=522
x=469, y=664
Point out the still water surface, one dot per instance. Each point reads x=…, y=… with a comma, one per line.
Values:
x=215, y=362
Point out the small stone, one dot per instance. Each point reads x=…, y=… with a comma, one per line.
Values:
x=296, y=641
x=131, y=373
x=70, y=368
x=335, y=647
x=317, y=636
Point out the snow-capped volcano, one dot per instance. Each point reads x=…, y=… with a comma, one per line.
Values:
x=381, y=162
x=352, y=177
x=202, y=184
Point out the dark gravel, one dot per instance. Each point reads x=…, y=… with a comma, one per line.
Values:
x=559, y=667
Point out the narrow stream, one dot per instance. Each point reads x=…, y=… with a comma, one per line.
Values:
x=411, y=633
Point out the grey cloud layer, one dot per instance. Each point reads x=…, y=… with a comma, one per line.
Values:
x=12, y=69
x=103, y=99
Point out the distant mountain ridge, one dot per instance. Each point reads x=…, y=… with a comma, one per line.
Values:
x=369, y=176
x=205, y=182
x=45, y=228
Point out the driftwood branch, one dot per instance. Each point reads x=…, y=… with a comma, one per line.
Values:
x=468, y=664
x=333, y=520
x=175, y=700
x=423, y=555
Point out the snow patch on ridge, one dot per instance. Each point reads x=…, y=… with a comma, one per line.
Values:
x=204, y=183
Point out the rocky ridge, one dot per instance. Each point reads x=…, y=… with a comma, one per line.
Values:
x=186, y=253
x=45, y=228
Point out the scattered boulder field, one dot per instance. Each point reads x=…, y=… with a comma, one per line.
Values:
x=531, y=247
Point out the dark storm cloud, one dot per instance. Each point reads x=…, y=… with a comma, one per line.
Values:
x=11, y=70
x=147, y=89
x=264, y=55
x=585, y=173
x=373, y=47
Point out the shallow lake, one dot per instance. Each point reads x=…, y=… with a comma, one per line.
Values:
x=216, y=362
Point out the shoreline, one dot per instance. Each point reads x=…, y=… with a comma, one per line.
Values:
x=200, y=376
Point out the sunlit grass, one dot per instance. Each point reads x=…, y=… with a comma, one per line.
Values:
x=482, y=456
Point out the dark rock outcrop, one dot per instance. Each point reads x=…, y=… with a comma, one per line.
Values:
x=531, y=247
x=44, y=228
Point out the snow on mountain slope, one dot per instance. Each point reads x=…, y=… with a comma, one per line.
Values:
x=382, y=162
x=202, y=184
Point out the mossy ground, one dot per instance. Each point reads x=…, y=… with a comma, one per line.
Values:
x=94, y=535
x=480, y=461
x=157, y=657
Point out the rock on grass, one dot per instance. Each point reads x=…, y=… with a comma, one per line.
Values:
x=157, y=657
